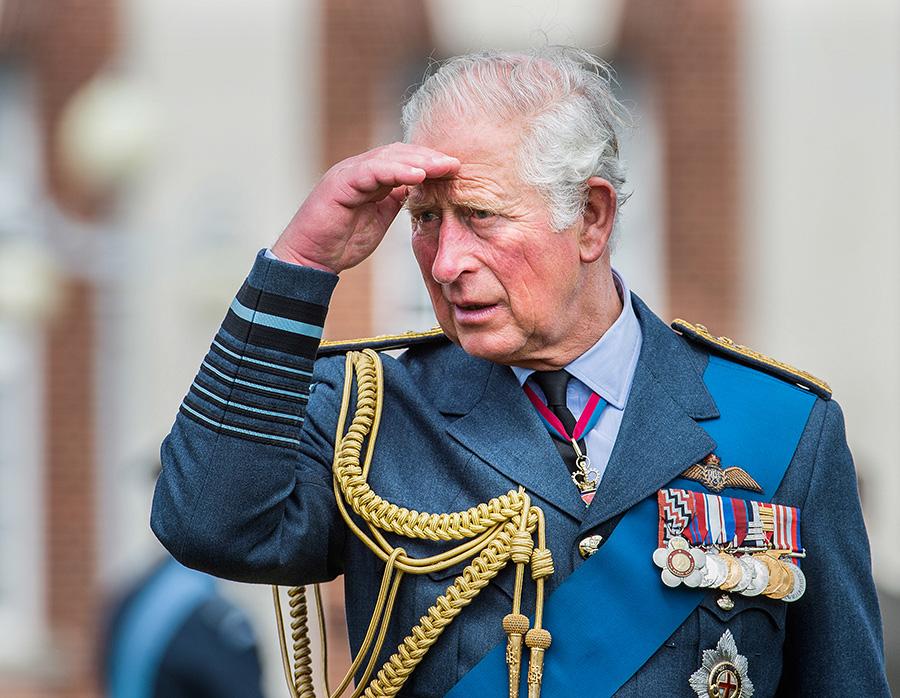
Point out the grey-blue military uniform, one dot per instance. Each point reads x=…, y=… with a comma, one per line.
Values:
x=246, y=491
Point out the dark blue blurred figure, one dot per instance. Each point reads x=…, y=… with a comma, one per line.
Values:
x=175, y=636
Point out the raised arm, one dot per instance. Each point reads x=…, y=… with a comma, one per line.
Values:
x=245, y=490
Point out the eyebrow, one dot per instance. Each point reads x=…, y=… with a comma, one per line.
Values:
x=417, y=201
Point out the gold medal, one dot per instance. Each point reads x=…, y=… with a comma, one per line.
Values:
x=787, y=583
x=776, y=573
x=735, y=571
x=585, y=477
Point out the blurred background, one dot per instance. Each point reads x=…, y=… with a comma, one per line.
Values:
x=149, y=148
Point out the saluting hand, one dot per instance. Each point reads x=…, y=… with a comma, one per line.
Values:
x=347, y=214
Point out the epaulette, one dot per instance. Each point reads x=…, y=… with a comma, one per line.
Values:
x=723, y=345
x=384, y=342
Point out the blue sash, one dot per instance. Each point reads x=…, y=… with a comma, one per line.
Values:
x=631, y=612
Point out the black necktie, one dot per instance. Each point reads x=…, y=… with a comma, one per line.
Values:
x=553, y=384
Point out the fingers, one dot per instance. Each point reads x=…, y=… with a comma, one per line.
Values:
x=348, y=212
x=373, y=175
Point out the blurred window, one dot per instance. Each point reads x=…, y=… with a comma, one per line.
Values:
x=21, y=388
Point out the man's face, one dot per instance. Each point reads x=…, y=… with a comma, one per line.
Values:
x=504, y=285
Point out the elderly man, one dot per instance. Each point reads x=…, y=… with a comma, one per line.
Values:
x=701, y=512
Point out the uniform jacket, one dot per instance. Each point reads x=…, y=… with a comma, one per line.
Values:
x=246, y=491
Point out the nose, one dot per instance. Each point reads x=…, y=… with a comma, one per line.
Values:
x=454, y=252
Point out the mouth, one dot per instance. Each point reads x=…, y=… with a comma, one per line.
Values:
x=473, y=313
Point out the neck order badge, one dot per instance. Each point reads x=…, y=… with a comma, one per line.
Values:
x=567, y=432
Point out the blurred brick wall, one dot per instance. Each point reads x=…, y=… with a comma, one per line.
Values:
x=63, y=44
x=689, y=49
x=364, y=44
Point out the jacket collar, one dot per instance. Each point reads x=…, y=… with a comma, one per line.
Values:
x=658, y=439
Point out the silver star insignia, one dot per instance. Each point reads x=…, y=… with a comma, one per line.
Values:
x=723, y=673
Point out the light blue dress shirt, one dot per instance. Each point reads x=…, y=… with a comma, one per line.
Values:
x=607, y=368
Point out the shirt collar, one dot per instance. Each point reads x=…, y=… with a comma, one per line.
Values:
x=607, y=368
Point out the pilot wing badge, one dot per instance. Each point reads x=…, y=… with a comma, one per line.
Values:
x=710, y=473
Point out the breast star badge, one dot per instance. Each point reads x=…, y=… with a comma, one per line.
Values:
x=710, y=473
x=724, y=672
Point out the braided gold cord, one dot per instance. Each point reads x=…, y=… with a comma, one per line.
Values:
x=492, y=532
x=474, y=578
x=300, y=679
x=375, y=510
x=300, y=636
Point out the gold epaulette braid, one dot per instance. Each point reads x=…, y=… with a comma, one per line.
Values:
x=493, y=533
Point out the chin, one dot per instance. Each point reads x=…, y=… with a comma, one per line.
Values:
x=487, y=347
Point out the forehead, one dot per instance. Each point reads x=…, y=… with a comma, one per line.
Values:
x=488, y=172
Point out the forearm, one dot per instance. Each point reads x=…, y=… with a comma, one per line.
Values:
x=224, y=501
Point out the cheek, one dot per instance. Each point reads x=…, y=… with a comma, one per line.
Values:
x=424, y=251
x=539, y=282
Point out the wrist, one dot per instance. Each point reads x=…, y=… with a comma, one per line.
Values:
x=284, y=254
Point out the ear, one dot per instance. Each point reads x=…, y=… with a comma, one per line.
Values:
x=597, y=222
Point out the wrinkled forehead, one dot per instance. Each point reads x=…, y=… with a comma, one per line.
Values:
x=453, y=192
x=489, y=171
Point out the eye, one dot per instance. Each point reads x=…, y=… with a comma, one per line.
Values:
x=480, y=214
x=425, y=217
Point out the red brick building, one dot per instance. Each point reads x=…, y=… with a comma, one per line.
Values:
x=685, y=53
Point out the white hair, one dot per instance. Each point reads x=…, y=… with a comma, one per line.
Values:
x=561, y=100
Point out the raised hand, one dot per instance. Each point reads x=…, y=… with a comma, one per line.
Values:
x=347, y=214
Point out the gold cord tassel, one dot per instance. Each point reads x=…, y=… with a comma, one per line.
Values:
x=515, y=625
x=539, y=641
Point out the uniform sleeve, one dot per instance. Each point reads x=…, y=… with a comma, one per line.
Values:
x=833, y=644
x=244, y=476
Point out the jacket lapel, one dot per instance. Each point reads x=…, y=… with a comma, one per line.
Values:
x=660, y=435
x=491, y=417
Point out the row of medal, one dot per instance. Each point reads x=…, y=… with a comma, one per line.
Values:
x=735, y=545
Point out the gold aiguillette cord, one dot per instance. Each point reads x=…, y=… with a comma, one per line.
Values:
x=492, y=533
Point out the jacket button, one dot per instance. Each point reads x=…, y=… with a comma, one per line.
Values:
x=590, y=545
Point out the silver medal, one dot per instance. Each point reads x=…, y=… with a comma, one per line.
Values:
x=724, y=672
x=760, y=577
x=715, y=571
x=799, y=583
x=680, y=563
x=746, y=574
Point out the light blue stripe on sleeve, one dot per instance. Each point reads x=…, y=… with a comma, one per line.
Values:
x=228, y=380
x=238, y=430
x=268, y=364
x=226, y=403
x=274, y=321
